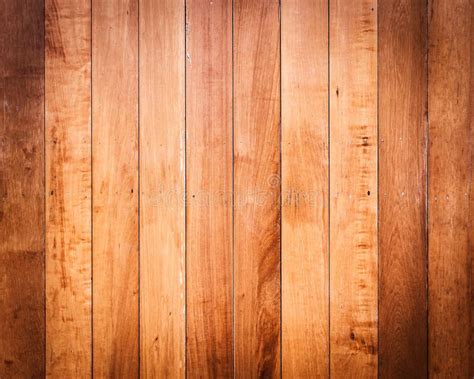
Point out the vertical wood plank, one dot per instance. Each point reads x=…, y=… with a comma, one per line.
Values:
x=209, y=188
x=68, y=188
x=22, y=189
x=257, y=187
x=162, y=218
x=402, y=188
x=471, y=201
x=450, y=81
x=115, y=187
x=353, y=188
x=305, y=270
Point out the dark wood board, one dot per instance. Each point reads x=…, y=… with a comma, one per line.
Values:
x=22, y=297
x=402, y=188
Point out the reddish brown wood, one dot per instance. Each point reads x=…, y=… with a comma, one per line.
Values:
x=209, y=188
x=305, y=223
x=450, y=162
x=257, y=187
x=22, y=189
x=162, y=218
x=115, y=187
x=402, y=188
x=68, y=188
x=353, y=189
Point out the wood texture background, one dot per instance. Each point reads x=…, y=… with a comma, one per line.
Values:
x=162, y=213
x=236, y=188
x=305, y=212
x=209, y=188
x=403, y=193
x=68, y=188
x=257, y=188
x=353, y=188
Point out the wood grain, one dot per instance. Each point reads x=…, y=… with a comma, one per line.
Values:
x=115, y=187
x=304, y=145
x=402, y=188
x=162, y=218
x=209, y=186
x=471, y=201
x=450, y=81
x=22, y=215
x=353, y=188
x=68, y=188
x=257, y=187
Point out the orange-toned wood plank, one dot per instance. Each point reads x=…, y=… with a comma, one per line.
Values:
x=22, y=189
x=450, y=162
x=402, y=188
x=115, y=187
x=209, y=188
x=353, y=188
x=68, y=188
x=305, y=270
x=257, y=187
x=162, y=218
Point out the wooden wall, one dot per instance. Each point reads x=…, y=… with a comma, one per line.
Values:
x=248, y=188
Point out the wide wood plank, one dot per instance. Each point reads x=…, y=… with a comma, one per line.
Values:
x=450, y=162
x=257, y=187
x=305, y=270
x=22, y=215
x=115, y=187
x=402, y=188
x=353, y=188
x=209, y=188
x=162, y=222
x=68, y=188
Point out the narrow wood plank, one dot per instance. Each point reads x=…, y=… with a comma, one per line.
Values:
x=353, y=188
x=450, y=81
x=402, y=188
x=68, y=188
x=162, y=218
x=115, y=187
x=257, y=187
x=471, y=203
x=209, y=188
x=22, y=189
x=305, y=270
